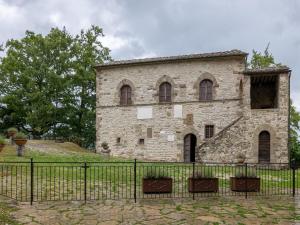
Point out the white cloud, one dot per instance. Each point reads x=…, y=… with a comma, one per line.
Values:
x=114, y=42
x=8, y=12
x=55, y=19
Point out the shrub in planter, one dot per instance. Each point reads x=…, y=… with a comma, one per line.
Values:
x=2, y=143
x=203, y=181
x=156, y=182
x=245, y=182
x=20, y=138
x=12, y=131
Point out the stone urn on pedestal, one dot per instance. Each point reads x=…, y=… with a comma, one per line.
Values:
x=20, y=140
x=105, y=149
x=245, y=178
x=11, y=132
x=241, y=158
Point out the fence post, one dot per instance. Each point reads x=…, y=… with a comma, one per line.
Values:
x=85, y=168
x=193, y=181
x=246, y=173
x=294, y=177
x=31, y=180
x=134, y=188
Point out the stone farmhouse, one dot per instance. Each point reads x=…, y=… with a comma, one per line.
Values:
x=200, y=107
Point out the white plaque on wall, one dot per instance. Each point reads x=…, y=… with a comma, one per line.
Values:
x=171, y=137
x=144, y=112
x=177, y=111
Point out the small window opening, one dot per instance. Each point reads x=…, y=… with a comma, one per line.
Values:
x=118, y=140
x=264, y=92
x=141, y=141
x=209, y=131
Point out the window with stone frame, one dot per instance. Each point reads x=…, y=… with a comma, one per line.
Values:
x=125, y=95
x=209, y=131
x=206, y=90
x=165, y=92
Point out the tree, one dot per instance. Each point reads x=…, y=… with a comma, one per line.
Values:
x=81, y=103
x=48, y=83
x=260, y=60
x=31, y=77
x=294, y=134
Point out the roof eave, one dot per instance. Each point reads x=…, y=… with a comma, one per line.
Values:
x=167, y=60
x=266, y=71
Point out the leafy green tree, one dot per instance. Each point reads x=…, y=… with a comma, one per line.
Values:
x=32, y=73
x=81, y=101
x=47, y=83
x=294, y=134
x=260, y=60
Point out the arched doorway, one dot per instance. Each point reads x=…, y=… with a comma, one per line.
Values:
x=190, y=143
x=264, y=146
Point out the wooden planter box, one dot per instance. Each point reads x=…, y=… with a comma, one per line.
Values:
x=157, y=186
x=197, y=185
x=249, y=184
x=20, y=141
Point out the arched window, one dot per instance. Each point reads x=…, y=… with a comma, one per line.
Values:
x=125, y=96
x=206, y=88
x=264, y=147
x=165, y=92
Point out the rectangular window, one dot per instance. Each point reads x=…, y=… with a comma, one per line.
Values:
x=209, y=131
x=141, y=141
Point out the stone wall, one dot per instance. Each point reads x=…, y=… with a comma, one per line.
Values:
x=242, y=135
x=168, y=132
x=163, y=126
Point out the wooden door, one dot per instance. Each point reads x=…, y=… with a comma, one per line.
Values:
x=264, y=147
x=187, y=148
x=190, y=143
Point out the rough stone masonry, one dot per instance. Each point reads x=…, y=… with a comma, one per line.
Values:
x=200, y=107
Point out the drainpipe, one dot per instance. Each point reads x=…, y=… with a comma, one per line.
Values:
x=289, y=120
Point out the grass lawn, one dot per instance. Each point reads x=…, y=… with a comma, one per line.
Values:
x=44, y=150
x=112, y=177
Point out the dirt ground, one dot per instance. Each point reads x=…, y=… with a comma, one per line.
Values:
x=233, y=210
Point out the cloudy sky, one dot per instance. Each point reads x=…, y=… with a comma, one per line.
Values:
x=144, y=28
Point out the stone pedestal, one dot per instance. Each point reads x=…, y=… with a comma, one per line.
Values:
x=20, y=150
x=105, y=153
x=12, y=141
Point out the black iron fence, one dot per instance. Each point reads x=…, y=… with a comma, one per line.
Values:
x=52, y=181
